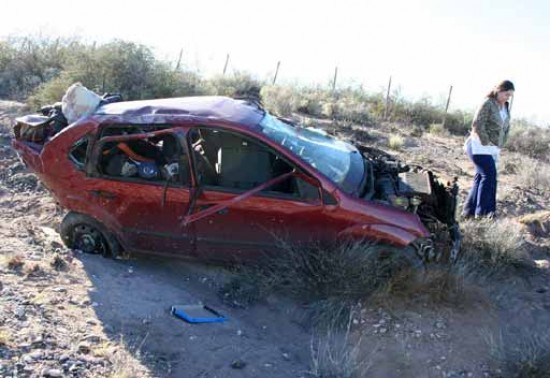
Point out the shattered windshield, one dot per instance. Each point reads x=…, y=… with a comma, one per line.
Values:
x=339, y=161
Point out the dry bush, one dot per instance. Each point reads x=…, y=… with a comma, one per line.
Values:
x=492, y=249
x=438, y=129
x=330, y=280
x=353, y=109
x=315, y=102
x=396, y=142
x=4, y=338
x=35, y=271
x=530, y=140
x=123, y=364
x=438, y=285
x=239, y=84
x=281, y=101
x=58, y=263
x=336, y=355
x=522, y=354
x=15, y=262
x=538, y=223
x=534, y=174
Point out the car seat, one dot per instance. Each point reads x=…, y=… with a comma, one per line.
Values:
x=243, y=164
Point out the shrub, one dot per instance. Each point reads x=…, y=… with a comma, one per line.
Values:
x=353, y=110
x=27, y=62
x=530, y=140
x=51, y=91
x=333, y=355
x=534, y=174
x=282, y=101
x=331, y=280
x=396, y=142
x=459, y=122
x=523, y=355
x=492, y=248
x=123, y=67
x=437, y=129
x=239, y=84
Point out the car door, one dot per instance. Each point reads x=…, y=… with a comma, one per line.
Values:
x=146, y=198
x=250, y=200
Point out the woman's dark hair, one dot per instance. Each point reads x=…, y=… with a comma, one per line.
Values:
x=503, y=86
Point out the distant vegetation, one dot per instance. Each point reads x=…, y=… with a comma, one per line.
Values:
x=38, y=70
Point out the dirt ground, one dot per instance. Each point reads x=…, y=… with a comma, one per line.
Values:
x=67, y=314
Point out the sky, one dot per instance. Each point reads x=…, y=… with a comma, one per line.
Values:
x=424, y=45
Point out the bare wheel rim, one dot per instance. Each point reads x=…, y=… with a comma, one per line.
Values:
x=89, y=240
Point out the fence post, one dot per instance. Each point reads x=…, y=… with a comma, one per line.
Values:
x=387, y=100
x=334, y=81
x=226, y=63
x=276, y=72
x=179, y=61
x=447, y=106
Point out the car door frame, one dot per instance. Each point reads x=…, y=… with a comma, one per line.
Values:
x=324, y=197
x=92, y=172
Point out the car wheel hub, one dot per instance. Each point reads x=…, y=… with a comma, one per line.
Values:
x=88, y=240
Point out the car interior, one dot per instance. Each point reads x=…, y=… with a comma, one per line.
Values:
x=234, y=162
x=155, y=158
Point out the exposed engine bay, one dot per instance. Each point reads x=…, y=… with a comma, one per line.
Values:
x=417, y=190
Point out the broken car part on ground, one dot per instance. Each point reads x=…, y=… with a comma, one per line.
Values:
x=221, y=179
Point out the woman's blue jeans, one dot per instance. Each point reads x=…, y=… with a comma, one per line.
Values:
x=482, y=198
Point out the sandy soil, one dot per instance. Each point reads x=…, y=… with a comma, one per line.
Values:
x=66, y=314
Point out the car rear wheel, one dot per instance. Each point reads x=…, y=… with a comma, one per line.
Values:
x=84, y=233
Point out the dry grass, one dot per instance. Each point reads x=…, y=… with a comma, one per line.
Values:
x=538, y=223
x=493, y=248
x=531, y=141
x=4, y=338
x=522, y=355
x=35, y=270
x=58, y=263
x=15, y=262
x=282, y=101
x=332, y=281
x=530, y=173
x=122, y=363
x=336, y=355
x=438, y=129
x=396, y=142
x=329, y=279
x=437, y=285
x=105, y=350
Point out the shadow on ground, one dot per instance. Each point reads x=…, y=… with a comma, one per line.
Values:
x=132, y=299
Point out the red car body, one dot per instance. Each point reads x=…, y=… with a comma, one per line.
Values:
x=200, y=221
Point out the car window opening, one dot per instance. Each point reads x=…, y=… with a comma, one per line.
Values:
x=151, y=159
x=230, y=161
x=77, y=153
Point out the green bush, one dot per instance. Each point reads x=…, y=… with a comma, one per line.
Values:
x=459, y=122
x=27, y=62
x=122, y=67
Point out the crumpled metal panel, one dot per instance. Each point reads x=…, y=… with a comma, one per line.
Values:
x=196, y=108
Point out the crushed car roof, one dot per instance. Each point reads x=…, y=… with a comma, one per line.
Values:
x=205, y=107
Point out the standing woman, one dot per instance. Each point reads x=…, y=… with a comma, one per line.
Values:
x=489, y=133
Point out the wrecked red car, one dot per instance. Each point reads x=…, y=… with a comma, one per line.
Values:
x=222, y=179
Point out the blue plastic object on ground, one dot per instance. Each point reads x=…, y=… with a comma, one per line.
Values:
x=197, y=314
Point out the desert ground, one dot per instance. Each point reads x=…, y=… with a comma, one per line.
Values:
x=68, y=314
